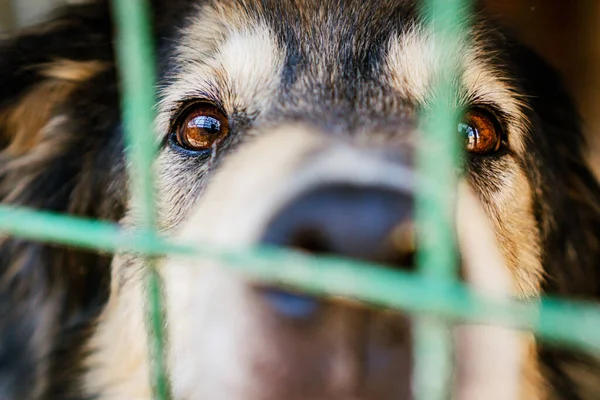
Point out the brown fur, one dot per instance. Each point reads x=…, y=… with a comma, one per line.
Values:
x=25, y=120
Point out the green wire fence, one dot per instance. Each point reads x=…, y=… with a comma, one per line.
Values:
x=433, y=295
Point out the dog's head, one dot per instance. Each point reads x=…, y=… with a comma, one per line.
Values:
x=296, y=124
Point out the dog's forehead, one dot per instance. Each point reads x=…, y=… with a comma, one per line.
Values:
x=346, y=59
x=240, y=51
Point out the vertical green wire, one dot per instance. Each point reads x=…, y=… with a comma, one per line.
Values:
x=135, y=53
x=437, y=159
x=136, y=66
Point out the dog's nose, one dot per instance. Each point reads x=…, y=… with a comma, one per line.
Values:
x=366, y=223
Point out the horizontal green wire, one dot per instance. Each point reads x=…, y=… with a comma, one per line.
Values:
x=552, y=319
x=78, y=232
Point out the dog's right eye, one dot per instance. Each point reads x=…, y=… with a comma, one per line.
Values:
x=201, y=127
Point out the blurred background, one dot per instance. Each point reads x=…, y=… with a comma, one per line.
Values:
x=15, y=13
x=565, y=32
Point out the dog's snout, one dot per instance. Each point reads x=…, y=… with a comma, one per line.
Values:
x=337, y=349
x=366, y=223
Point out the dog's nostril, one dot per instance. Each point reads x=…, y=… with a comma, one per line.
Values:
x=311, y=240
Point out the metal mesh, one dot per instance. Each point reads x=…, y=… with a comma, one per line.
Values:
x=433, y=295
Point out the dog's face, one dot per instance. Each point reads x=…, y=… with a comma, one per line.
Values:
x=297, y=124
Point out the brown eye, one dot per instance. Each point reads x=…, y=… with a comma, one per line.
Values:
x=203, y=126
x=481, y=132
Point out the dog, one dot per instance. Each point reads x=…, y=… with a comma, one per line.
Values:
x=283, y=123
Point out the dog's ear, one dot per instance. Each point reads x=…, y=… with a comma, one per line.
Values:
x=60, y=150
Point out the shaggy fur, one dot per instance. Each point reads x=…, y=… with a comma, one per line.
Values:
x=303, y=84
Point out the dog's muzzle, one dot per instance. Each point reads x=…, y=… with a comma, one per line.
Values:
x=372, y=348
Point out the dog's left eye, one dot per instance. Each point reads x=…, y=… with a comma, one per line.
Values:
x=481, y=132
x=202, y=127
